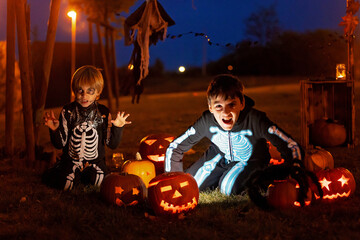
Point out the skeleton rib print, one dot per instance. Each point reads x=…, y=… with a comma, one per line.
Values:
x=84, y=142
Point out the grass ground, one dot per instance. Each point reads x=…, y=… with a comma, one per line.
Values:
x=30, y=210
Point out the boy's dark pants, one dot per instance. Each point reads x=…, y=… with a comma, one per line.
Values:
x=212, y=171
x=65, y=175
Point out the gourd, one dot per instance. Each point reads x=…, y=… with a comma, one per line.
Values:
x=145, y=169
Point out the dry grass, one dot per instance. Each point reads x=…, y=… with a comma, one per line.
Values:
x=30, y=210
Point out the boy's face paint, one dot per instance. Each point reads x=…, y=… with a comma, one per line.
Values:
x=86, y=95
x=226, y=112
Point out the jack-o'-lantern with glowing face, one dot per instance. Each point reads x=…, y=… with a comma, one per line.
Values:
x=337, y=183
x=173, y=193
x=123, y=189
x=285, y=193
x=153, y=147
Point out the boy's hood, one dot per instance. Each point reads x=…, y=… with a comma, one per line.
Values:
x=249, y=104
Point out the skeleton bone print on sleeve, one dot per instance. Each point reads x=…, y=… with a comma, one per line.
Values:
x=84, y=142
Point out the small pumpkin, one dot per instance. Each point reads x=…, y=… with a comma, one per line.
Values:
x=123, y=189
x=336, y=183
x=285, y=193
x=317, y=159
x=153, y=147
x=173, y=193
x=327, y=133
x=145, y=169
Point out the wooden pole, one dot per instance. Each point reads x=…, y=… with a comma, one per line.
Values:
x=10, y=79
x=46, y=67
x=114, y=67
x=25, y=80
x=106, y=68
x=91, y=43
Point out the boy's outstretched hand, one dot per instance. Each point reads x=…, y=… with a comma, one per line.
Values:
x=51, y=121
x=120, y=119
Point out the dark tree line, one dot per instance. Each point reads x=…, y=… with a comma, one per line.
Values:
x=313, y=53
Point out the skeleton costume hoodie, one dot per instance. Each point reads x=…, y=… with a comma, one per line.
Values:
x=82, y=135
x=245, y=143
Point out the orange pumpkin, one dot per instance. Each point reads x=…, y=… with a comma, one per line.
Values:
x=123, y=189
x=153, y=147
x=145, y=169
x=337, y=183
x=327, y=133
x=317, y=159
x=284, y=194
x=173, y=193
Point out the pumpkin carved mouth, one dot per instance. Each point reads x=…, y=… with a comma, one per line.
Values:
x=334, y=196
x=156, y=158
x=120, y=203
x=178, y=209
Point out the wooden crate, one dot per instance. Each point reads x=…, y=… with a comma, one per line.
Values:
x=327, y=99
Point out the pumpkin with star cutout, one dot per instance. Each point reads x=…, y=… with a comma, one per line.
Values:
x=123, y=189
x=145, y=169
x=153, y=147
x=337, y=183
x=173, y=193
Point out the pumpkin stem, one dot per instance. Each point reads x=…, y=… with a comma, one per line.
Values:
x=138, y=156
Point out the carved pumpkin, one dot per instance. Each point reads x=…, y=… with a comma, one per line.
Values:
x=145, y=169
x=317, y=159
x=173, y=193
x=327, y=133
x=123, y=189
x=284, y=194
x=153, y=147
x=337, y=183
x=276, y=158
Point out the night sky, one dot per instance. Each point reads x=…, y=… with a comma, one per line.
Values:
x=221, y=20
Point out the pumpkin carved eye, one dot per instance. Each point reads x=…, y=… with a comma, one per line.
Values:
x=150, y=141
x=166, y=188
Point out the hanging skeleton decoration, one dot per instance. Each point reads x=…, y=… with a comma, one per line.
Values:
x=150, y=21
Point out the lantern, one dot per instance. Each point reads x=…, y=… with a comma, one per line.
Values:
x=337, y=183
x=173, y=193
x=145, y=169
x=317, y=159
x=276, y=158
x=123, y=189
x=285, y=193
x=153, y=147
x=327, y=133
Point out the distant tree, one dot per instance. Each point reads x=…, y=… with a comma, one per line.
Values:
x=105, y=11
x=157, y=69
x=262, y=26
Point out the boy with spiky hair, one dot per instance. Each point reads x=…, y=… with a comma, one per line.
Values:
x=238, y=134
x=82, y=133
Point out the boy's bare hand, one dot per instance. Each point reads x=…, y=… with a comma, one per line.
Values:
x=51, y=121
x=120, y=119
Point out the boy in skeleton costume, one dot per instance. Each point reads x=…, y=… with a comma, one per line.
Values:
x=238, y=135
x=82, y=132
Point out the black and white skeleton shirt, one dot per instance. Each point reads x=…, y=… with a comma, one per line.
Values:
x=84, y=132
